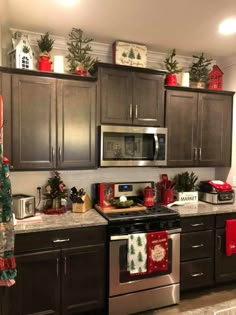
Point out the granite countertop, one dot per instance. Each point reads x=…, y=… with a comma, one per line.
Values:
x=203, y=208
x=43, y=222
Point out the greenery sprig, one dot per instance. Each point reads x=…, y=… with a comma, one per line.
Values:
x=45, y=43
x=79, y=49
x=171, y=64
x=185, y=181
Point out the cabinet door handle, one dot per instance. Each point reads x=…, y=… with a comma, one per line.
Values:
x=57, y=267
x=197, y=274
x=59, y=153
x=130, y=111
x=219, y=241
x=136, y=111
x=65, y=265
x=61, y=240
x=197, y=246
x=200, y=154
x=195, y=153
x=53, y=155
x=197, y=224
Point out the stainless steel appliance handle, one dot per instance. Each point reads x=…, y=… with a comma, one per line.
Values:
x=197, y=246
x=62, y=240
x=125, y=237
x=156, y=147
x=130, y=111
x=200, y=274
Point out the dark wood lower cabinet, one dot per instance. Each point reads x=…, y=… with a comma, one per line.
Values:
x=37, y=288
x=58, y=273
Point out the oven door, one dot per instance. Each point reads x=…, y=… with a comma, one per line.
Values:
x=120, y=280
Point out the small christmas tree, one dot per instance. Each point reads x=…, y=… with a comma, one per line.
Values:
x=79, y=49
x=171, y=64
x=55, y=187
x=45, y=44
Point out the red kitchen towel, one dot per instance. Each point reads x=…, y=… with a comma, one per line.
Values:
x=230, y=237
x=157, y=251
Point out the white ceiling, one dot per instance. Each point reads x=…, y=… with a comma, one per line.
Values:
x=189, y=26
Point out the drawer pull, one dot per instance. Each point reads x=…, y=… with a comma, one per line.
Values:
x=197, y=274
x=197, y=246
x=63, y=240
x=197, y=224
x=65, y=266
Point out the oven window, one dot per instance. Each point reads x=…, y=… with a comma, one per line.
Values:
x=124, y=274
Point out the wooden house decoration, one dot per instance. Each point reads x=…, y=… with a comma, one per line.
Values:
x=21, y=54
x=215, y=79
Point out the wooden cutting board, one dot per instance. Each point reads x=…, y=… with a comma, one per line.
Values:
x=117, y=210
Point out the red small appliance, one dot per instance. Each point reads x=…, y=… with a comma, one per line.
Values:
x=148, y=197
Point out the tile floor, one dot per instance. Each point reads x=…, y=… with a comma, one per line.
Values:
x=217, y=301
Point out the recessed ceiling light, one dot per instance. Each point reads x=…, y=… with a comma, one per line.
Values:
x=69, y=2
x=228, y=27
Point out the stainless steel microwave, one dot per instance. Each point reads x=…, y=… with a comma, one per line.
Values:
x=133, y=146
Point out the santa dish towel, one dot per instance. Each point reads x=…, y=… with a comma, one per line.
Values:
x=157, y=251
x=137, y=254
x=230, y=237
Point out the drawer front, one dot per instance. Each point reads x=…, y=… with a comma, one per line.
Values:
x=60, y=239
x=198, y=273
x=221, y=218
x=197, y=223
x=195, y=245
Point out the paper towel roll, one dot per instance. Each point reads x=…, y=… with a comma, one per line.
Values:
x=185, y=79
x=58, y=64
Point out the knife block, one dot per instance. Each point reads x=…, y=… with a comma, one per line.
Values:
x=82, y=207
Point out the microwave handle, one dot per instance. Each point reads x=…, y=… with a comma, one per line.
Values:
x=156, y=147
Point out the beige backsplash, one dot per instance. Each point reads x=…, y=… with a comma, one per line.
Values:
x=27, y=182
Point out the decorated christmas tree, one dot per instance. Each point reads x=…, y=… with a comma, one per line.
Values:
x=7, y=259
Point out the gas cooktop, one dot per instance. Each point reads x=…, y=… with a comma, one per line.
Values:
x=157, y=211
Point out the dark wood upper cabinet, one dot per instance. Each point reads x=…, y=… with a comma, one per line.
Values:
x=76, y=109
x=50, y=120
x=34, y=122
x=199, y=127
x=131, y=97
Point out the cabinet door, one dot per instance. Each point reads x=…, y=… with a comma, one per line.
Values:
x=148, y=99
x=37, y=284
x=225, y=266
x=76, y=124
x=215, y=130
x=5, y=91
x=83, y=279
x=181, y=121
x=116, y=96
x=34, y=108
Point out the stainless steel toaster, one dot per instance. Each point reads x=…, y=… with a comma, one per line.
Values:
x=23, y=206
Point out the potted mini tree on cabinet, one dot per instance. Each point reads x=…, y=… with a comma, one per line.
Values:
x=199, y=71
x=172, y=66
x=45, y=45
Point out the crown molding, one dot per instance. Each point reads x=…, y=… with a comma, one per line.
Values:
x=155, y=60
x=227, y=62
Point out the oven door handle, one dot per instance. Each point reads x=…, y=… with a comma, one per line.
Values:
x=125, y=237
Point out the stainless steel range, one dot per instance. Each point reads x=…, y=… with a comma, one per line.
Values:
x=128, y=293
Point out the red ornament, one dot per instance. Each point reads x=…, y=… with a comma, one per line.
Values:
x=216, y=79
